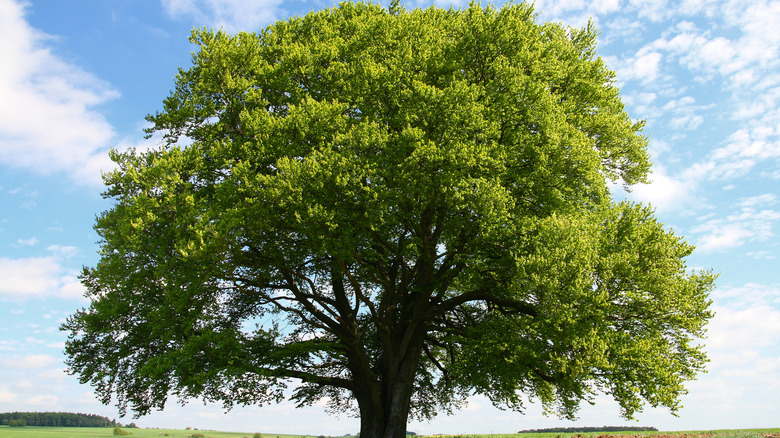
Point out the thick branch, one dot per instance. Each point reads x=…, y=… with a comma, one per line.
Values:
x=483, y=295
x=307, y=377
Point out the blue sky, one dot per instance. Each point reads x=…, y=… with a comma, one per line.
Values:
x=77, y=77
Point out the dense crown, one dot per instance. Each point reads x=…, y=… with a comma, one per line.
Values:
x=361, y=197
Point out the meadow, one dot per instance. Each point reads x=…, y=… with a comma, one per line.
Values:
x=103, y=432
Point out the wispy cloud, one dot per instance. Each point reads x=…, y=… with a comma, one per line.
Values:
x=64, y=251
x=32, y=241
x=748, y=295
x=752, y=221
x=230, y=15
x=48, y=117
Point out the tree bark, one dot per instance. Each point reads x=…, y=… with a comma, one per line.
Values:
x=384, y=401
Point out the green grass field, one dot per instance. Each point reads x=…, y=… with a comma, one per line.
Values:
x=99, y=432
x=727, y=433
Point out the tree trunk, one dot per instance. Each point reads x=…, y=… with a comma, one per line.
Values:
x=388, y=418
x=385, y=400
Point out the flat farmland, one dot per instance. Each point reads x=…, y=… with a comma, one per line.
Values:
x=103, y=432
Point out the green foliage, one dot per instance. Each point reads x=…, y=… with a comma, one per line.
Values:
x=121, y=432
x=414, y=203
x=257, y=435
x=17, y=423
x=56, y=419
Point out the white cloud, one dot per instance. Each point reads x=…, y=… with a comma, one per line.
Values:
x=28, y=242
x=743, y=343
x=23, y=385
x=725, y=43
x=664, y=192
x=744, y=328
x=653, y=10
x=43, y=400
x=8, y=345
x=750, y=294
x=742, y=152
x=63, y=251
x=748, y=146
x=231, y=15
x=54, y=374
x=764, y=254
x=86, y=398
x=748, y=224
x=7, y=397
x=742, y=58
x=623, y=28
x=48, y=120
x=29, y=361
x=755, y=201
x=644, y=66
x=683, y=112
x=37, y=276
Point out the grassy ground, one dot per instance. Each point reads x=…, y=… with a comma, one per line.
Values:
x=728, y=433
x=102, y=432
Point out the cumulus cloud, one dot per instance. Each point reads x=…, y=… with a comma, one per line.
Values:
x=37, y=277
x=48, y=117
x=746, y=328
x=643, y=66
x=664, y=192
x=231, y=15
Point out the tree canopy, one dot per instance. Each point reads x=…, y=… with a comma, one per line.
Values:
x=395, y=209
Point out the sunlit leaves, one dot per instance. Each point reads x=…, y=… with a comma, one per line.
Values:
x=378, y=203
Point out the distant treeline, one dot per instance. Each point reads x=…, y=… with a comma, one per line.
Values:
x=591, y=429
x=55, y=419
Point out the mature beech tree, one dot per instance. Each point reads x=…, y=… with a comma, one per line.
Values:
x=395, y=210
